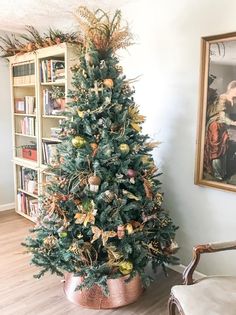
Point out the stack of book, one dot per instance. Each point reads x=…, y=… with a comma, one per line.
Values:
x=50, y=152
x=52, y=71
x=50, y=106
x=23, y=74
x=27, y=205
x=28, y=126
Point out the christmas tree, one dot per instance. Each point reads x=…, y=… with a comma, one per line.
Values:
x=102, y=215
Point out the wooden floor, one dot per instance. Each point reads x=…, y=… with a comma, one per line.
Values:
x=21, y=294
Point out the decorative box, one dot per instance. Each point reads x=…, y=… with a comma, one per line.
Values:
x=30, y=154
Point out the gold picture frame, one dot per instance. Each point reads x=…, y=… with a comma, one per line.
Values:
x=216, y=134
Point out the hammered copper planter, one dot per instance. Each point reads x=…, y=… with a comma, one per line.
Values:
x=121, y=293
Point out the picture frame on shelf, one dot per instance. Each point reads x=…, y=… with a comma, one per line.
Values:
x=216, y=135
x=19, y=105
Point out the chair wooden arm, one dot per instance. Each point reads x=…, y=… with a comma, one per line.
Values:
x=201, y=249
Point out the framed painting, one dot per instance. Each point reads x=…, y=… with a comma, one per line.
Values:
x=216, y=139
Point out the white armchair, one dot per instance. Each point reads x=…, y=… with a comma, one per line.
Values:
x=213, y=295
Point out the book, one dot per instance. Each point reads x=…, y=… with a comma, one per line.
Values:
x=23, y=73
x=50, y=152
x=48, y=102
x=28, y=180
x=52, y=70
x=51, y=106
x=29, y=104
x=27, y=126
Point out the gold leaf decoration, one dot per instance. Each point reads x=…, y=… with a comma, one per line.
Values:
x=105, y=235
x=136, y=118
x=84, y=218
x=130, y=195
x=50, y=241
x=114, y=256
x=148, y=188
x=152, y=144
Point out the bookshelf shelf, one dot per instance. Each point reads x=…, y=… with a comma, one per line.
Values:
x=30, y=115
x=26, y=162
x=53, y=83
x=52, y=139
x=24, y=85
x=27, y=193
x=53, y=116
x=33, y=127
x=24, y=135
x=26, y=216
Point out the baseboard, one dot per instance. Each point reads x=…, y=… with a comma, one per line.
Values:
x=180, y=269
x=7, y=206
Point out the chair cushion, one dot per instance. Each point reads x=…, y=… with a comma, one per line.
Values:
x=214, y=295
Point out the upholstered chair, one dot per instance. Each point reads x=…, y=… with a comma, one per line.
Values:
x=213, y=295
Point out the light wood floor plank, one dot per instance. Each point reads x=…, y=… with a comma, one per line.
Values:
x=21, y=294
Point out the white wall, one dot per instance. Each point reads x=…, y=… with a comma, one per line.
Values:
x=6, y=168
x=167, y=55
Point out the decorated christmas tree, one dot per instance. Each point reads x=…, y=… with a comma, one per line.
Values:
x=102, y=215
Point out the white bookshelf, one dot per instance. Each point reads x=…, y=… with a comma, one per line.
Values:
x=42, y=122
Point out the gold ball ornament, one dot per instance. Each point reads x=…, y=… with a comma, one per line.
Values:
x=125, y=267
x=108, y=83
x=124, y=148
x=78, y=142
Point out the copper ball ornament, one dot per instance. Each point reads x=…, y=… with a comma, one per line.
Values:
x=108, y=83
